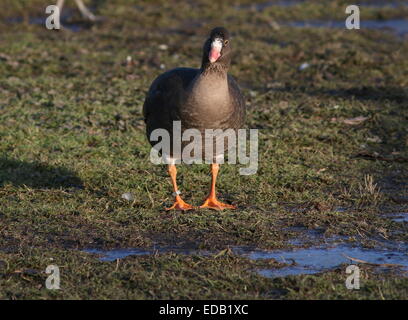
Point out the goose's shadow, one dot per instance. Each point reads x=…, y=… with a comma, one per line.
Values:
x=37, y=175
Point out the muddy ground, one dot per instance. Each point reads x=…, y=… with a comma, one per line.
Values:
x=331, y=107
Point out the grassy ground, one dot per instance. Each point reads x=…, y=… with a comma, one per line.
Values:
x=72, y=142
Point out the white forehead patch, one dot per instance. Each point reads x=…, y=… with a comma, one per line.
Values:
x=217, y=44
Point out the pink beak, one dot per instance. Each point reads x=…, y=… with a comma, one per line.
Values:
x=214, y=54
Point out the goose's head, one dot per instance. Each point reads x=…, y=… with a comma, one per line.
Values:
x=217, y=48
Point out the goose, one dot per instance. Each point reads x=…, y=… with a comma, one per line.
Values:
x=201, y=99
x=86, y=13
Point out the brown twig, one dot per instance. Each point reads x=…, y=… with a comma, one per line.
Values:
x=373, y=264
x=370, y=156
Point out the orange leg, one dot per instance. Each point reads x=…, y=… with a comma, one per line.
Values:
x=211, y=201
x=179, y=204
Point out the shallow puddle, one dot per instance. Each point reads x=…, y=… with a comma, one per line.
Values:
x=260, y=6
x=41, y=21
x=383, y=4
x=398, y=26
x=263, y=5
x=399, y=217
x=315, y=259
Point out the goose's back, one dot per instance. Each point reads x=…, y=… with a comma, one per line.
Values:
x=163, y=100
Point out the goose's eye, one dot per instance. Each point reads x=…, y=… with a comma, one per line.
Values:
x=225, y=42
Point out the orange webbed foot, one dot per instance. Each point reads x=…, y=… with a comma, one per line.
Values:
x=179, y=204
x=213, y=203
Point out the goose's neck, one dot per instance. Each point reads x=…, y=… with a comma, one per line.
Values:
x=210, y=89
